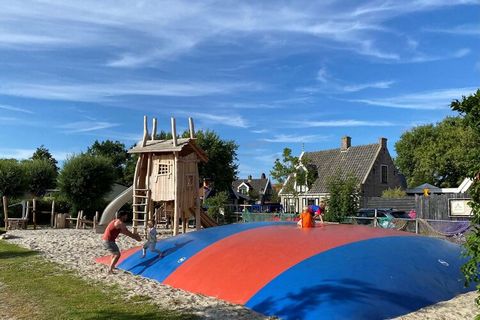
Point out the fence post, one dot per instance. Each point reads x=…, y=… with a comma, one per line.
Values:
x=34, y=212
x=416, y=225
x=375, y=219
x=5, y=211
x=52, y=216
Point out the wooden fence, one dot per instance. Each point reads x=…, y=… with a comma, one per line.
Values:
x=436, y=206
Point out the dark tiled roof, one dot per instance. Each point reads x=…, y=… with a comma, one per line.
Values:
x=256, y=184
x=356, y=160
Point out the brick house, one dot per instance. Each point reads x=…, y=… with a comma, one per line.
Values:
x=371, y=164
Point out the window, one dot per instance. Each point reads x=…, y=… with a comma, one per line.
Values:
x=243, y=190
x=163, y=169
x=384, y=173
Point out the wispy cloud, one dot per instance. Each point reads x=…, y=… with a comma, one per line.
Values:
x=16, y=109
x=421, y=57
x=103, y=92
x=260, y=131
x=86, y=126
x=293, y=138
x=340, y=123
x=226, y=120
x=363, y=86
x=19, y=153
x=465, y=29
x=428, y=100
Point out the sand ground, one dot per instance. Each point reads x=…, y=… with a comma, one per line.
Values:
x=77, y=249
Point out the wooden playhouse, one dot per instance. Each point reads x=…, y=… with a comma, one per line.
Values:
x=166, y=179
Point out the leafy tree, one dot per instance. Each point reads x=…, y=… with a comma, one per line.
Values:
x=343, y=200
x=163, y=135
x=436, y=154
x=43, y=153
x=40, y=175
x=301, y=172
x=116, y=152
x=221, y=167
x=85, y=180
x=216, y=206
x=392, y=193
x=469, y=108
x=12, y=178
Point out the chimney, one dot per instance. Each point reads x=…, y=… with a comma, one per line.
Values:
x=383, y=142
x=263, y=176
x=346, y=143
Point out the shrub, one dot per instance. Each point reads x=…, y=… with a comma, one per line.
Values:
x=85, y=180
x=40, y=175
x=392, y=193
x=343, y=200
x=216, y=206
x=12, y=178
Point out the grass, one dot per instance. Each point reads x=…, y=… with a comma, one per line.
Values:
x=34, y=288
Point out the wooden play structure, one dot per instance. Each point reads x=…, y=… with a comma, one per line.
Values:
x=57, y=220
x=166, y=179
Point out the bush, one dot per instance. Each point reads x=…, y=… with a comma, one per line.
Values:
x=40, y=175
x=343, y=200
x=85, y=180
x=392, y=193
x=216, y=206
x=12, y=178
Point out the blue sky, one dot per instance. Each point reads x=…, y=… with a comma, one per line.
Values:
x=268, y=74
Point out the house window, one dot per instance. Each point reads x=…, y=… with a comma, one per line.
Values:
x=243, y=190
x=163, y=169
x=384, y=173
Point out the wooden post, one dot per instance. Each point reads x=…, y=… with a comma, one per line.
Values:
x=176, y=193
x=198, y=221
x=34, y=214
x=95, y=220
x=145, y=131
x=191, y=128
x=416, y=225
x=174, y=132
x=52, y=216
x=154, y=129
x=5, y=211
x=79, y=216
x=375, y=219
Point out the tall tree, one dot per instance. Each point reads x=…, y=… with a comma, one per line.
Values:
x=469, y=108
x=12, y=178
x=43, y=153
x=221, y=167
x=116, y=152
x=436, y=153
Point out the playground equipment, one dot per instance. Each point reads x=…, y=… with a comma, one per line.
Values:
x=330, y=272
x=165, y=182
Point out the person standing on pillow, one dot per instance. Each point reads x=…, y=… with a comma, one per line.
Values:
x=306, y=219
x=111, y=233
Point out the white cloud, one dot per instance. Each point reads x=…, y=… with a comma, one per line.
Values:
x=17, y=109
x=101, y=92
x=147, y=32
x=21, y=153
x=427, y=100
x=363, y=86
x=340, y=123
x=322, y=75
x=465, y=29
x=226, y=120
x=260, y=131
x=86, y=126
x=293, y=138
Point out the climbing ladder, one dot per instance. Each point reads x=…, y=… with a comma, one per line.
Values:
x=141, y=200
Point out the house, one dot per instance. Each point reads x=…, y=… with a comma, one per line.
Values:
x=371, y=164
x=255, y=190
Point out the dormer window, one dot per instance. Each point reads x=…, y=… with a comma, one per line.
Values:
x=243, y=190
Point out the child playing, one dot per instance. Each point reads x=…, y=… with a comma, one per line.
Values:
x=306, y=219
x=151, y=240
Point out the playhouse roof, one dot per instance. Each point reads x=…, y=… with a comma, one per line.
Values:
x=166, y=146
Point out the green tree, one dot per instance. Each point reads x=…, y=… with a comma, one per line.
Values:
x=436, y=154
x=216, y=206
x=85, y=180
x=302, y=172
x=12, y=178
x=43, y=153
x=469, y=108
x=118, y=155
x=40, y=175
x=343, y=199
x=221, y=167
